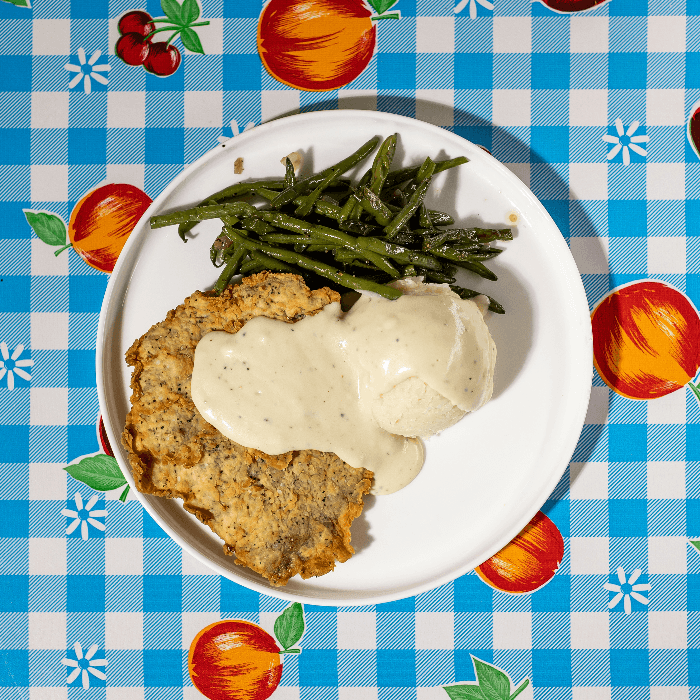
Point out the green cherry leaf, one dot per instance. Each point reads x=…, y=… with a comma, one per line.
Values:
x=289, y=626
x=464, y=692
x=190, y=11
x=100, y=472
x=19, y=3
x=381, y=6
x=190, y=40
x=493, y=683
x=696, y=544
x=172, y=10
x=48, y=227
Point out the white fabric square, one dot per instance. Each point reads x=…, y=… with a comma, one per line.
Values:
x=44, y=262
x=665, y=107
x=48, y=693
x=591, y=255
x=283, y=692
x=129, y=693
x=522, y=170
x=435, y=34
x=212, y=37
x=666, y=34
x=512, y=630
x=49, y=110
x=51, y=37
x=588, y=481
x=666, y=181
x=47, y=482
x=357, y=99
x=598, y=405
x=669, y=409
x=588, y=107
x=124, y=555
x=194, y=622
x=433, y=694
x=512, y=34
x=666, y=480
x=47, y=556
x=130, y=174
x=357, y=630
x=435, y=630
x=588, y=181
x=666, y=256
x=267, y=621
x=123, y=630
x=435, y=106
x=588, y=35
x=511, y=107
x=49, y=331
x=47, y=630
x=126, y=109
x=669, y=692
x=591, y=693
x=48, y=406
x=667, y=555
x=590, y=630
x=668, y=629
x=589, y=555
x=278, y=103
x=194, y=567
x=49, y=183
x=204, y=109
x=358, y=693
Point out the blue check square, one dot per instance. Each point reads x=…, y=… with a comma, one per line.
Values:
x=627, y=71
x=14, y=518
x=550, y=71
x=318, y=667
x=464, y=666
x=15, y=593
x=87, y=146
x=85, y=593
x=627, y=218
x=629, y=667
x=396, y=71
x=549, y=144
x=14, y=669
x=86, y=292
x=165, y=146
x=473, y=71
x=628, y=517
x=551, y=668
x=471, y=594
x=15, y=443
x=16, y=74
x=81, y=440
x=15, y=146
x=238, y=598
x=396, y=668
x=627, y=443
x=162, y=593
x=81, y=368
x=242, y=72
x=162, y=668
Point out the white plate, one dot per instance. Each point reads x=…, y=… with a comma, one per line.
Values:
x=484, y=478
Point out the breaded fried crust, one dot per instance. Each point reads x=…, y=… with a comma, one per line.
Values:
x=280, y=515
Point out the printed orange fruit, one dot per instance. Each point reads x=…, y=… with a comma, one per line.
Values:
x=234, y=660
x=102, y=220
x=316, y=45
x=527, y=562
x=646, y=340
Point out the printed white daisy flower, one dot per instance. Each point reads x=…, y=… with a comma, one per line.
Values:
x=85, y=665
x=234, y=129
x=625, y=141
x=84, y=515
x=11, y=365
x=627, y=589
x=472, y=6
x=87, y=71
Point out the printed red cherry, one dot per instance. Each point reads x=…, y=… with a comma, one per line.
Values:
x=572, y=5
x=162, y=59
x=136, y=22
x=132, y=49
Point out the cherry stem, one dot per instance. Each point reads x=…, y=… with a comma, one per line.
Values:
x=391, y=15
x=167, y=43
x=60, y=250
x=695, y=390
x=174, y=26
x=520, y=689
x=124, y=494
x=291, y=651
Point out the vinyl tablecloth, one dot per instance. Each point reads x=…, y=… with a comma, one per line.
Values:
x=590, y=108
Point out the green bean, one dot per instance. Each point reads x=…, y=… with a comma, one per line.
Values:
x=373, y=205
x=478, y=268
x=314, y=266
x=232, y=265
x=213, y=211
x=382, y=163
x=306, y=205
x=439, y=277
x=401, y=219
x=464, y=293
x=398, y=176
x=290, y=178
x=440, y=218
x=291, y=193
x=264, y=262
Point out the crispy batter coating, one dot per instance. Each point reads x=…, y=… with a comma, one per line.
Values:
x=280, y=515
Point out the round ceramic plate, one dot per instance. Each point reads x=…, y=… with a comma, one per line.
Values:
x=485, y=477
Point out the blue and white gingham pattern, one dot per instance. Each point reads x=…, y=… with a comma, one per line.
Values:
x=540, y=90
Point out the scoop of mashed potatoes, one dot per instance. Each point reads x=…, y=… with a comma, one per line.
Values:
x=412, y=408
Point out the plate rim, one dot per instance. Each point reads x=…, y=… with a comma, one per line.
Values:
x=577, y=297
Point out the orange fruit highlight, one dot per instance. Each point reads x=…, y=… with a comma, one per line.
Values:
x=102, y=220
x=234, y=660
x=527, y=562
x=316, y=45
x=646, y=340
